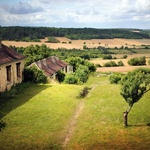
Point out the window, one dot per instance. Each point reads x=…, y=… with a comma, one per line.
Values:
x=18, y=69
x=8, y=71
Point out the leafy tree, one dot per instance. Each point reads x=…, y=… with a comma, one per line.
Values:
x=82, y=73
x=75, y=61
x=91, y=66
x=133, y=86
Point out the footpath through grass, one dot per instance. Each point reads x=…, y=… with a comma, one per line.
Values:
x=38, y=118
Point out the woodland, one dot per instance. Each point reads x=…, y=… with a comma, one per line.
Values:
x=27, y=34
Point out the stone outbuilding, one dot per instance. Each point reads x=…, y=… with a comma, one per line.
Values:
x=11, y=68
x=52, y=65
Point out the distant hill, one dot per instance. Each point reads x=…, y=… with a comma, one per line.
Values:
x=18, y=33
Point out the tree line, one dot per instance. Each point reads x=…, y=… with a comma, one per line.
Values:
x=36, y=52
x=18, y=33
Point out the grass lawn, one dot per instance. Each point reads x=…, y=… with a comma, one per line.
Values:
x=100, y=126
x=38, y=118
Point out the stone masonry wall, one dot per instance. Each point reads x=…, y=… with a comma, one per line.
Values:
x=4, y=84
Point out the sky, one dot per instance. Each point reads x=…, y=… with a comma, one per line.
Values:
x=76, y=13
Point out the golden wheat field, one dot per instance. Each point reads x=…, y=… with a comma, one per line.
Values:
x=78, y=44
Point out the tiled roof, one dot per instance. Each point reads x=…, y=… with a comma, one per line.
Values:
x=51, y=65
x=8, y=55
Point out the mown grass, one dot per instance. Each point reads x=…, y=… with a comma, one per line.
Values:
x=100, y=126
x=38, y=118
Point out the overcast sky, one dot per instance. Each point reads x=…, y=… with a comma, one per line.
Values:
x=76, y=13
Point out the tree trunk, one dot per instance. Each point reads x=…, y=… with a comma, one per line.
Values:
x=125, y=116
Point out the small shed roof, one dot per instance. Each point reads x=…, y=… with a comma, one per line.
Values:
x=51, y=65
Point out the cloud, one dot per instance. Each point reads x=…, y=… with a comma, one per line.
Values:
x=76, y=13
x=21, y=8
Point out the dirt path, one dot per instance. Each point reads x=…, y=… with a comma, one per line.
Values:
x=78, y=111
x=73, y=122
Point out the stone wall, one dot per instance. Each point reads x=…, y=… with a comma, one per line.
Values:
x=15, y=77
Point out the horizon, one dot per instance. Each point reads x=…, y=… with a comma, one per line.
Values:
x=74, y=27
x=99, y=14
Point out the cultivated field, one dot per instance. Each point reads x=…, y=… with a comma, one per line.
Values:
x=111, y=43
x=89, y=43
x=124, y=68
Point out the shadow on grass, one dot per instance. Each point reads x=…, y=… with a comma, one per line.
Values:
x=2, y=125
x=139, y=125
x=18, y=96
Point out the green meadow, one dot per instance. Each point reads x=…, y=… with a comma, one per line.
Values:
x=42, y=116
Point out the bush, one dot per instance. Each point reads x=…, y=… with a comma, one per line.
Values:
x=82, y=68
x=84, y=92
x=98, y=65
x=149, y=61
x=137, y=61
x=124, y=56
x=34, y=75
x=115, y=78
x=71, y=79
x=52, y=40
x=60, y=76
x=84, y=47
x=145, y=70
x=110, y=64
x=107, y=57
x=64, y=42
x=115, y=57
x=120, y=63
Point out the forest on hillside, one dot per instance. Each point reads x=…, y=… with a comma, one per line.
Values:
x=18, y=33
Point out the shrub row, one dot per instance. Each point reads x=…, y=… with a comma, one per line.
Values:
x=113, y=64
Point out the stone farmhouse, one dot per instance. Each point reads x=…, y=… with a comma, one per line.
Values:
x=52, y=65
x=11, y=68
